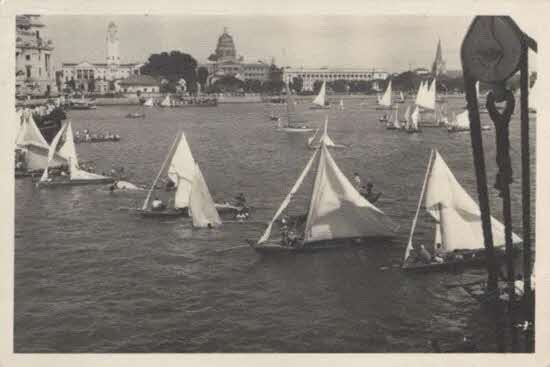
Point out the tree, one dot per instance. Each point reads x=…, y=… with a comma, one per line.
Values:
x=339, y=86
x=227, y=83
x=297, y=84
x=173, y=66
x=252, y=86
x=202, y=76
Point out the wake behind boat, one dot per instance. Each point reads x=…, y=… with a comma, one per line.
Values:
x=337, y=214
x=458, y=237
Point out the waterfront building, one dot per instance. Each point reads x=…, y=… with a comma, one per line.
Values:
x=100, y=77
x=225, y=62
x=139, y=84
x=310, y=75
x=33, y=58
x=438, y=66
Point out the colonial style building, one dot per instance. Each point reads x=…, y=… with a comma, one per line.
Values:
x=311, y=75
x=100, y=77
x=224, y=61
x=33, y=58
x=139, y=84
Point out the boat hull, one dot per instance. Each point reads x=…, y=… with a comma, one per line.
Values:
x=295, y=129
x=59, y=183
x=474, y=259
x=319, y=107
x=276, y=247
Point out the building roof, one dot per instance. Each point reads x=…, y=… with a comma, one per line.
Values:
x=145, y=80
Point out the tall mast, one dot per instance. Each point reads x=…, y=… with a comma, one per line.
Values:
x=409, y=243
x=170, y=153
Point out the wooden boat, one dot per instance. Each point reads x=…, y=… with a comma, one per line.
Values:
x=191, y=196
x=458, y=239
x=63, y=144
x=135, y=115
x=82, y=104
x=323, y=139
x=320, y=102
x=295, y=122
x=337, y=214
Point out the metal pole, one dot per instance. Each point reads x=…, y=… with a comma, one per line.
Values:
x=481, y=179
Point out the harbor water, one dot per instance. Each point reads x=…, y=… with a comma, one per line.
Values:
x=90, y=277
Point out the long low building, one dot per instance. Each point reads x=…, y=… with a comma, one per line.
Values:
x=311, y=75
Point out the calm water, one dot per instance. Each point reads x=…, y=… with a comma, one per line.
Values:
x=92, y=278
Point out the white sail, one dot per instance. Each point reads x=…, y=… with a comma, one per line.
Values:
x=414, y=118
x=408, y=117
x=166, y=101
x=287, y=199
x=201, y=205
x=182, y=172
x=386, y=98
x=396, y=123
x=419, y=93
x=337, y=210
x=52, y=150
x=457, y=212
x=149, y=103
x=320, y=100
x=401, y=96
x=477, y=90
x=341, y=104
x=325, y=138
x=462, y=120
x=28, y=132
x=427, y=97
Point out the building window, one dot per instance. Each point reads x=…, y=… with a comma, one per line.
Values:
x=27, y=57
x=28, y=67
x=79, y=74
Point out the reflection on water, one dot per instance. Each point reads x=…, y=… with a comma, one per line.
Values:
x=92, y=278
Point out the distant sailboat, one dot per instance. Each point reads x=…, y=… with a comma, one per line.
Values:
x=324, y=138
x=337, y=212
x=401, y=98
x=63, y=144
x=394, y=125
x=191, y=196
x=462, y=123
x=166, y=102
x=413, y=125
x=295, y=121
x=149, y=103
x=457, y=222
x=386, y=100
x=341, y=104
x=320, y=102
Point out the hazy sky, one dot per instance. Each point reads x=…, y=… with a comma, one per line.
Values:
x=387, y=42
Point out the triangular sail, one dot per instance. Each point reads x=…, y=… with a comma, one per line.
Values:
x=386, y=98
x=29, y=132
x=321, y=97
x=341, y=104
x=414, y=118
x=427, y=97
x=408, y=117
x=325, y=138
x=52, y=150
x=396, y=123
x=458, y=213
x=287, y=199
x=462, y=120
x=166, y=101
x=419, y=93
x=201, y=205
x=312, y=138
x=182, y=171
x=149, y=103
x=337, y=210
x=401, y=96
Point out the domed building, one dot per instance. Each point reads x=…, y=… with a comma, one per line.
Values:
x=225, y=62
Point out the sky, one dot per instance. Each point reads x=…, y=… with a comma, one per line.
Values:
x=391, y=43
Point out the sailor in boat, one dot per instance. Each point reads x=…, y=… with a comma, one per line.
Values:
x=157, y=205
x=357, y=179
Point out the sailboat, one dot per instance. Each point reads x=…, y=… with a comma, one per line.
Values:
x=191, y=196
x=395, y=125
x=386, y=102
x=323, y=139
x=320, y=102
x=462, y=123
x=426, y=100
x=166, y=102
x=401, y=98
x=341, y=104
x=32, y=147
x=295, y=121
x=149, y=103
x=412, y=126
x=458, y=236
x=63, y=144
x=406, y=116
x=337, y=212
